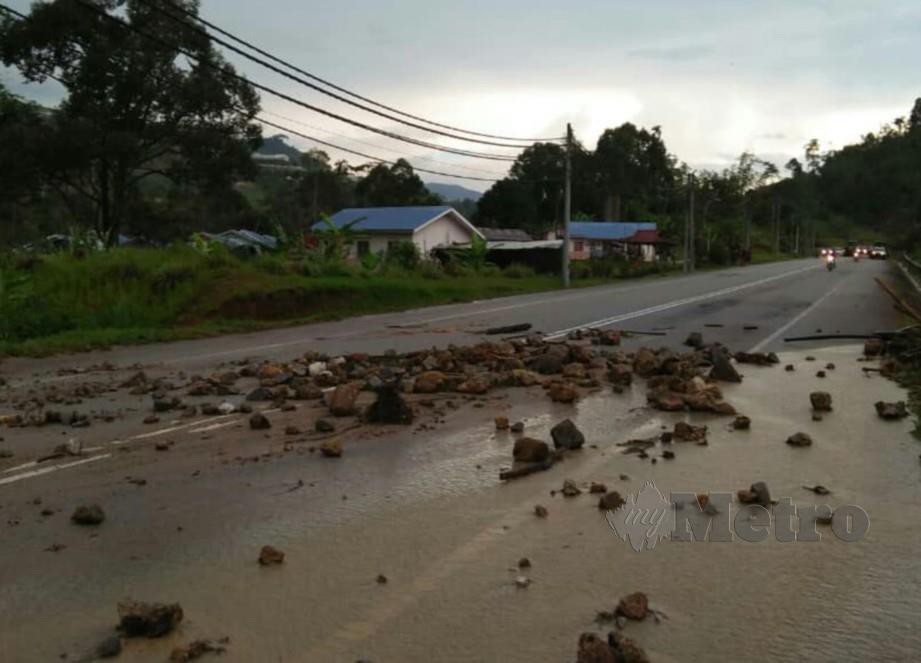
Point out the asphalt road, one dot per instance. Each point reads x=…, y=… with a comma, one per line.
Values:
x=185, y=521
x=744, y=308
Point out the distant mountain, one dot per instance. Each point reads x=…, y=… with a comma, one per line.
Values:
x=452, y=191
x=278, y=144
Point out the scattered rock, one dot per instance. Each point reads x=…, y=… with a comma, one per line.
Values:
x=88, y=515
x=197, y=649
x=529, y=450
x=331, y=449
x=570, y=489
x=611, y=501
x=259, y=421
x=597, y=488
x=757, y=358
x=789, y=368
x=524, y=563
x=668, y=455
x=502, y=423
x=821, y=401
x=324, y=426
x=820, y=374
x=292, y=430
x=541, y=511
x=829, y=366
x=562, y=392
x=151, y=419
x=151, y=620
x=593, y=649
x=742, y=423
x=270, y=555
x=390, y=407
x=799, y=440
x=758, y=493
x=517, y=427
x=381, y=579
x=634, y=606
x=722, y=369
x=567, y=436
x=342, y=400
x=685, y=432
x=891, y=411
x=818, y=489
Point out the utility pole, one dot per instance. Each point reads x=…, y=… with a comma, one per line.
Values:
x=567, y=205
x=691, y=257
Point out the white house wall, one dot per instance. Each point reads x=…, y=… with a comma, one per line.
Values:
x=444, y=232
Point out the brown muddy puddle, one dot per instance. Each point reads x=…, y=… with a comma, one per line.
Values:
x=447, y=536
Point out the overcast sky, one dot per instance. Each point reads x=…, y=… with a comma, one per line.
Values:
x=719, y=76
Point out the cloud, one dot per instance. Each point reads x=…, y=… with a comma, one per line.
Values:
x=672, y=53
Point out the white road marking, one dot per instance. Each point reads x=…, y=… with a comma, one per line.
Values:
x=773, y=337
x=48, y=470
x=604, y=322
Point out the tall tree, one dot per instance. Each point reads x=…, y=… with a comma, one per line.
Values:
x=135, y=106
x=393, y=185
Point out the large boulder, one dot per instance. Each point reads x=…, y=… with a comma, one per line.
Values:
x=566, y=435
x=562, y=392
x=529, y=450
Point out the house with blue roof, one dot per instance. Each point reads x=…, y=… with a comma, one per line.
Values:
x=377, y=228
x=601, y=239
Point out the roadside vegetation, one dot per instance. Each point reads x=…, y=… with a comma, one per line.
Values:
x=76, y=301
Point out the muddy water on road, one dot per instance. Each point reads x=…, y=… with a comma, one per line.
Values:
x=448, y=537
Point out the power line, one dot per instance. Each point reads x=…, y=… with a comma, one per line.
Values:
x=285, y=118
x=154, y=4
x=286, y=97
x=332, y=85
x=308, y=137
x=368, y=156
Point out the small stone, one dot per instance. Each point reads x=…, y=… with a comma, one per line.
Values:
x=88, y=515
x=517, y=427
x=270, y=555
x=524, y=563
x=162, y=446
x=151, y=620
x=742, y=423
x=324, y=426
x=694, y=340
x=502, y=423
x=668, y=455
x=381, y=579
x=567, y=436
x=789, y=368
x=151, y=419
x=799, y=440
x=522, y=582
x=821, y=401
x=891, y=411
x=820, y=374
x=259, y=421
x=829, y=366
x=597, y=488
x=331, y=449
x=611, y=501
x=570, y=489
x=634, y=606
x=541, y=511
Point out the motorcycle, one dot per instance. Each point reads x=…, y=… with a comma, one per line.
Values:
x=830, y=262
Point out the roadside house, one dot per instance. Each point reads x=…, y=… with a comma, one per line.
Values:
x=377, y=228
x=604, y=239
x=504, y=234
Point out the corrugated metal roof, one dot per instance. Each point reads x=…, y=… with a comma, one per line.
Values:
x=385, y=219
x=645, y=237
x=606, y=230
x=505, y=234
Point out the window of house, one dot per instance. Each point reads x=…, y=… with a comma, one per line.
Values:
x=580, y=245
x=363, y=247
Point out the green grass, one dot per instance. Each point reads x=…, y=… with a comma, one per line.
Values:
x=62, y=303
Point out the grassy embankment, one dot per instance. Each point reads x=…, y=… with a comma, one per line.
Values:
x=63, y=303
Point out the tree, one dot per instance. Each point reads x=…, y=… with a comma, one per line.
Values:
x=393, y=185
x=21, y=126
x=635, y=171
x=914, y=120
x=135, y=106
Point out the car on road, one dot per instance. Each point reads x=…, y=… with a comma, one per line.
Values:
x=879, y=252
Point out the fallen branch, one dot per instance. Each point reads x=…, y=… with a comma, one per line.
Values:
x=508, y=329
